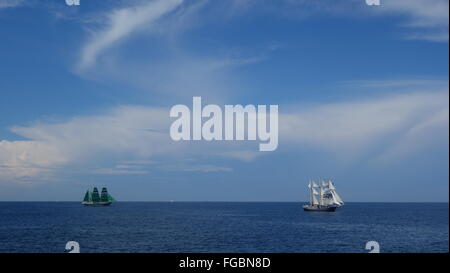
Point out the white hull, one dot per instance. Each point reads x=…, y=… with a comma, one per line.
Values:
x=96, y=204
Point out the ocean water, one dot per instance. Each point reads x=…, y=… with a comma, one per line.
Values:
x=222, y=227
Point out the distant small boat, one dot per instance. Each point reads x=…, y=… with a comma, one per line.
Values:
x=323, y=197
x=94, y=199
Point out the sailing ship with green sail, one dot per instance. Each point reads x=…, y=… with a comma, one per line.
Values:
x=95, y=199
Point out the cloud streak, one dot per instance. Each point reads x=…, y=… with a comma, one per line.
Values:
x=10, y=3
x=427, y=18
x=353, y=128
x=120, y=24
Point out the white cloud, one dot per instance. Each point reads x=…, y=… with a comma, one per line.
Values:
x=422, y=13
x=116, y=171
x=137, y=162
x=10, y=3
x=168, y=67
x=118, y=131
x=431, y=131
x=434, y=37
x=25, y=159
x=121, y=23
x=242, y=155
x=410, y=84
x=428, y=19
x=205, y=168
x=352, y=128
x=388, y=127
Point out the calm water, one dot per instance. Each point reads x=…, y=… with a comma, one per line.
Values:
x=222, y=227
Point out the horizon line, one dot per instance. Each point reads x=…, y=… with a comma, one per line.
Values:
x=220, y=201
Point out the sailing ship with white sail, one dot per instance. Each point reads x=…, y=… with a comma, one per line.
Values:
x=323, y=197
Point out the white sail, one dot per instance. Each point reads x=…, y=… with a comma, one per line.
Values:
x=338, y=198
x=321, y=195
x=332, y=190
x=312, y=184
x=313, y=193
x=335, y=200
x=331, y=186
x=327, y=184
x=329, y=199
x=314, y=200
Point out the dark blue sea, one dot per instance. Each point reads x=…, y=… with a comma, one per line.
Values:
x=222, y=227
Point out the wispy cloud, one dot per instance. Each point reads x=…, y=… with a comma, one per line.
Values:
x=120, y=24
x=431, y=131
x=170, y=67
x=410, y=84
x=118, y=171
x=242, y=155
x=136, y=162
x=353, y=128
x=422, y=13
x=10, y=3
x=422, y=19
x=205, y=168
x=428, y=19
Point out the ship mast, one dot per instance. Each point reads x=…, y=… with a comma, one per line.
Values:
x=321, y=194
x=310, y=193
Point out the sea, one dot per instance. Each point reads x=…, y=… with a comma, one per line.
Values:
x=198, y=227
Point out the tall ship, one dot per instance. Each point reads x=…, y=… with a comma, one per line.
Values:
x=323, y=197
x=95, y=199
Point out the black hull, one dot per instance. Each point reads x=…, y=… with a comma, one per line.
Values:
x=320, y=208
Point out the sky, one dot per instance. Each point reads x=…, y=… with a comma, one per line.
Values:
x=362, y=93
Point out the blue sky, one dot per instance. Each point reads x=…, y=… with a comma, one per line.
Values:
x=362, y=94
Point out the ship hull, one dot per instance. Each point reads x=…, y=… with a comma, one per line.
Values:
x=320, y=208
x=96, y=204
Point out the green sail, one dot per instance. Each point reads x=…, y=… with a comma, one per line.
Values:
x=95, y=195
x=87, y=196
x=104, y=195
x=110, y=198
